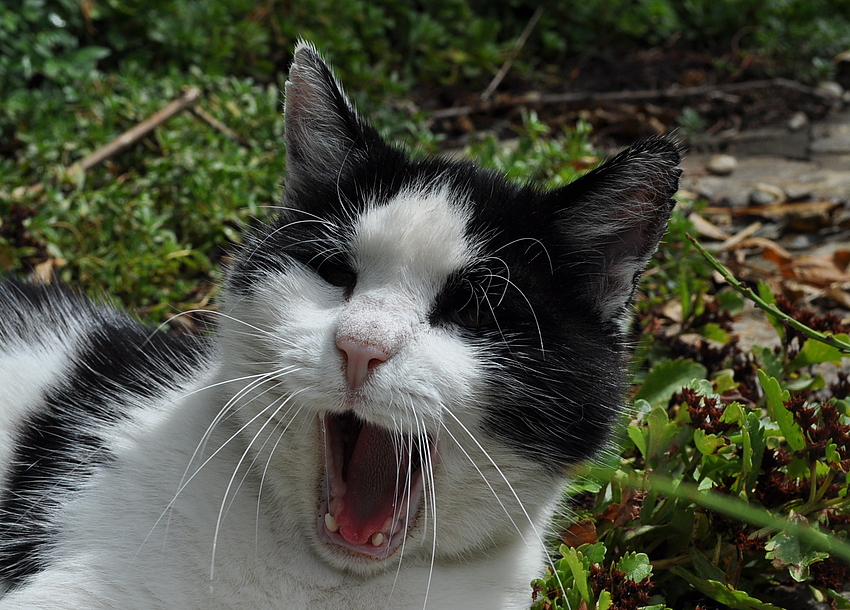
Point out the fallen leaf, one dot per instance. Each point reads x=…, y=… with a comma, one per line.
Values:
x=739, y=237
x=630, y=507
x=804, y=210
x=43, y=271
x=708, y=229
x=583, y=532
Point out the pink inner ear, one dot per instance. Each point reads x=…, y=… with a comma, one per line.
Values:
x=359, y=359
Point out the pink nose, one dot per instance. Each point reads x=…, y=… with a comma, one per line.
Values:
x=359, y=358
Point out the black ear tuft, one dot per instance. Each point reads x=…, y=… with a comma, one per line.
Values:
x=612, y=219
x=324, y=134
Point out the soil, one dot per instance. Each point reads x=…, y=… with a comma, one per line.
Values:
x=618, y=123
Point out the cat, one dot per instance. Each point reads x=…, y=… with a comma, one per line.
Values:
x=410, y=359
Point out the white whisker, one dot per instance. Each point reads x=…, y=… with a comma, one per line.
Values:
x=486, y=454
x=245, y=453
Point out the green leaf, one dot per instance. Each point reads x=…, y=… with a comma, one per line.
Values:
x=833, y=458
x=661, y=432
x=725, y=594
x=789, y=551
x=604, y=602
x=842, y=603
x=816, y=352
x=667, y=378
x=708, y=443
x=640, y=437
x=776, y=398
x=730, y=301
x=725, y=382
x=768, y=297
x=714, y=332
x=573, y=559
x=595, y=553
x=705, y=569
x=733, y=414
x=753, y=450
x=90, y=54
x=636, y=566
x=771, y=362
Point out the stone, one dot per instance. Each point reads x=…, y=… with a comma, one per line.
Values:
x=739, y=199
x=836, y=143
x=831, y=89
x=779, y=142
x=797, y=121
x=798, y=192
x=722, y=165
x=766, y=194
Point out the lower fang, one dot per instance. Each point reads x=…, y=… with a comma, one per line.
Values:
x=377, y=539
x=331, y=523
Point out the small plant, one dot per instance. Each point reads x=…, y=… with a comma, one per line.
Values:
x=538, y=157
x=591, y=584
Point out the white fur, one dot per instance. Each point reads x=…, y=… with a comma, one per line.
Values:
x=29, y=366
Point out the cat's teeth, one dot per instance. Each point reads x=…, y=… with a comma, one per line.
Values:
x=331, y=523
x=377, y=539
x=394, y=524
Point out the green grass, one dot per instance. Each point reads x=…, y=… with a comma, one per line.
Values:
x=151, y=225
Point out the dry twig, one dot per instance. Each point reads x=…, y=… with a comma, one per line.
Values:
x=591, y=97
x=500, y=75
x=190, y=97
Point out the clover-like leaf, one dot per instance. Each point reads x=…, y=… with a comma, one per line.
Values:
x=661, y=432
x=708, y=444
x=792, y=552
x=636, y=566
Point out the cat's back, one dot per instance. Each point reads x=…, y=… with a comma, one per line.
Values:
x=73, y=375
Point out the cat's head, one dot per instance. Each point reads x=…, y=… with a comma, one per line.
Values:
x=426, y=348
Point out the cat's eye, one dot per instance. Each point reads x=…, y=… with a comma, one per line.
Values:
x=336, y=274
x=471, y=312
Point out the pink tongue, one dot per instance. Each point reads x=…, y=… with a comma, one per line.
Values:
x=375, y=471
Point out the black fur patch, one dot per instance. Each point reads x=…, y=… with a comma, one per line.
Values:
x=58, y=447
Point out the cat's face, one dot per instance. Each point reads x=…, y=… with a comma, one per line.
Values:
x=430, y=347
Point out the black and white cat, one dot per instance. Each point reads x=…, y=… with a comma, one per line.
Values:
x=409, y=360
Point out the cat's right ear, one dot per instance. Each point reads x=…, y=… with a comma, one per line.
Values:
x=324, y=134
x=612, y=218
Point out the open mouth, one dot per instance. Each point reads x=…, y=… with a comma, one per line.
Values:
x=372, y=489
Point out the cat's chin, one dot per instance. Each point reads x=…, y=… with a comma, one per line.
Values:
x=371, y=491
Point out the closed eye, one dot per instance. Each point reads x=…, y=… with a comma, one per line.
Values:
x=474, y=314
x=336, y=273
x=468, y=307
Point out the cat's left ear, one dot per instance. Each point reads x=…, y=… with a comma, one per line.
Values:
x=325, y=137
x=612, y=218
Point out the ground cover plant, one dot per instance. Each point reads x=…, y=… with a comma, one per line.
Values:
x=730, y=486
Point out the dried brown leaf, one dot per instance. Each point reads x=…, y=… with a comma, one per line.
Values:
x=583, y=532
